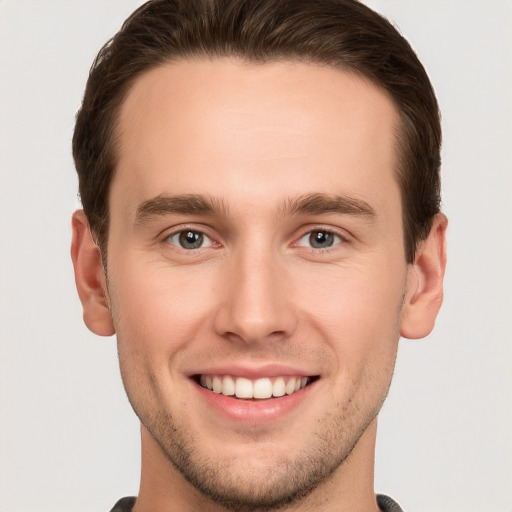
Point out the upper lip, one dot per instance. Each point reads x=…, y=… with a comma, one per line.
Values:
x=254, y=371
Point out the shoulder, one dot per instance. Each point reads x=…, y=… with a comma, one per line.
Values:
x=124, y=505
x=387, y=504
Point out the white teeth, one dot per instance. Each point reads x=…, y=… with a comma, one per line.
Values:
x=290, y=386
x=217, y=384
x=228, y=386
x=262, y=388
x=243, y=388
x=259, y=388
x=278, y=389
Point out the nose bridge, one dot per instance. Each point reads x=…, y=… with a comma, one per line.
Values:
x=256, y=304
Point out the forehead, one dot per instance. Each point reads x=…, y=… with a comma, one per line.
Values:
x=208, y=126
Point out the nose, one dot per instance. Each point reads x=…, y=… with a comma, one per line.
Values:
x=256, y=301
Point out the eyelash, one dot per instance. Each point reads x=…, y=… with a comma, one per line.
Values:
x=169, y=238
x=338, y=239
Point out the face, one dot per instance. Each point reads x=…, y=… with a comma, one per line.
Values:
x=256, y=270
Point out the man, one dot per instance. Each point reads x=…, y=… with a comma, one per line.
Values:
x=260, y=183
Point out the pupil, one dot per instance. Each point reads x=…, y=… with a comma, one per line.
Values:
x=191, y=239
x=321, y=239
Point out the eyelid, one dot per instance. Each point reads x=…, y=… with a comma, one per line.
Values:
x=206, y=239
x=167, y=234
x=341, y=234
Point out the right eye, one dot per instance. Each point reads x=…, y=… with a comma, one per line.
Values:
x=190, y=239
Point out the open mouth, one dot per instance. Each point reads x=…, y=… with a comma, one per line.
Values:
x=258, y=389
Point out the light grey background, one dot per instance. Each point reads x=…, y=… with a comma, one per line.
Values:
x=68, y=438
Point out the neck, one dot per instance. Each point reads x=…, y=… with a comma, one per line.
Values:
x=348, y=489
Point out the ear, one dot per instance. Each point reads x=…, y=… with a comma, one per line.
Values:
x=90, y=277
x=424, y=294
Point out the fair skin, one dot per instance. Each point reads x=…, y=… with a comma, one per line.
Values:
x=256, y=233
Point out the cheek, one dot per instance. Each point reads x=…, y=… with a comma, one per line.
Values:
x=363, y=334
x=357, y=312
x=157, y=313
x=160, y=308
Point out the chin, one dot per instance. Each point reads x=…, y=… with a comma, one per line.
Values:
x=247, y=479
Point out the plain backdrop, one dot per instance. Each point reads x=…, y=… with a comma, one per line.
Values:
x=68, y=438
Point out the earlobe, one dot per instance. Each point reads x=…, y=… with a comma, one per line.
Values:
x=90, y=277
x=424, y=294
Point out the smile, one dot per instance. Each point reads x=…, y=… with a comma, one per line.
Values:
x=260, y=389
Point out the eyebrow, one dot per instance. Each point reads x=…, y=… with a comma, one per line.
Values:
x=318, y=204
x=307, y=204
x=184, y=204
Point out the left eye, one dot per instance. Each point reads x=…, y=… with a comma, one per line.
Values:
x=319, y=239
x=189, y=239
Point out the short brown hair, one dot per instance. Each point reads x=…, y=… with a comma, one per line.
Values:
x=341, y=33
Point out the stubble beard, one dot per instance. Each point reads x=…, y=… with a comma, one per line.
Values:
x=242, y=485
x=247, y=487
x=281, y=484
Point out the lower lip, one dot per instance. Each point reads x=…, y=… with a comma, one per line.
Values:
x=253, y=412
